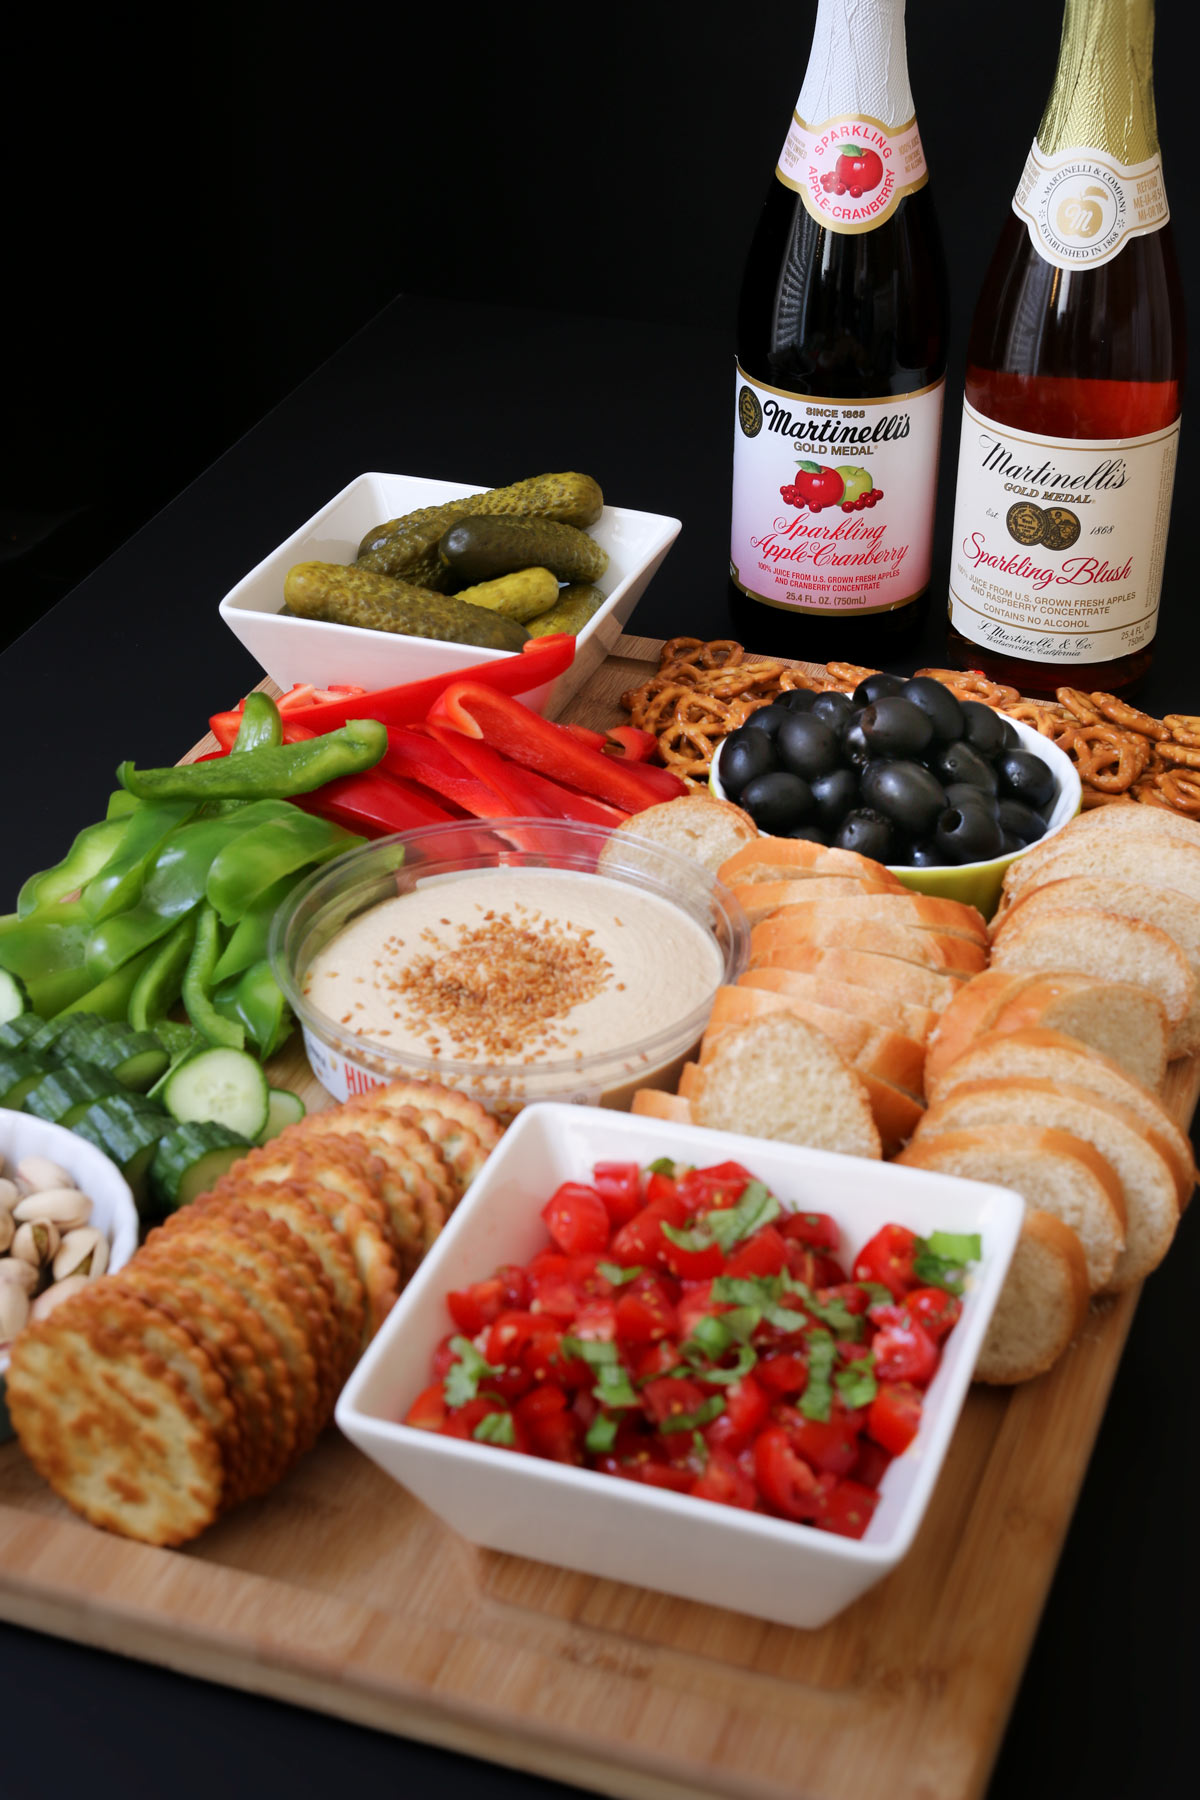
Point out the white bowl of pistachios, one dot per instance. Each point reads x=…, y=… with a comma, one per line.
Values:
x=66, y=1216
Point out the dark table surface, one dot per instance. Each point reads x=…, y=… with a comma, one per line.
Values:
x=131, y=664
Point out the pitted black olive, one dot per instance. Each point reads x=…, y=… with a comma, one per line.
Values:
x=894, y=727
x=835, y=795
x=966, y=834
x=855, y=748
x=745, y=755
x=926, y=856
x=877, y=686
x=961, y=762
x=806, y=746
x=836, y=709
x=983, y=728
x=778, y=801
x=767, y=718
x=961, y=793
x=798, y=700
x=1024, y=776
x=945, y=713
x=1020, y=821
x=866, y=832
x=813, y=833
x=905, y=793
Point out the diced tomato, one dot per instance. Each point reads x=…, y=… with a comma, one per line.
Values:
x=785, y=1481
x=641, y=1240
x=718, y=1185
x=660, y=1187
x=619, y=1185
x=936, y=1311
x=816, y=1230
x=655, y=1359
x=478, y=1306
x=595, y=1322
x=461, y=1422
x=846, y=1509
x=553, y=1430
x=872, y=1464
x=645, y=1314
x=526, y=1341
x=445, y=1357
x=894, y=1416
x=905, y=1352
x=672, y=1397
x=854, y=1298
x=813, y=1267
x=428, y=1410
x=888, y=1259
x=666, y=1475
x=692, y=1265
x=766, y=1253
x=577, y=1218
x=747, y=1406
x=694, y=1304
x=829, y=1445
x=726, y=1482
x=784, y=1373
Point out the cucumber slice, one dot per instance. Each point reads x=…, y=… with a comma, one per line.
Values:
x=15, y=1033
x=20, y=1070
x=190, y=1157
x=14, y=997
x=135, y=1058
x=283, y=1108
x=65, y=1094
x=128, y=1134
x=42, y=1041
x=222, y=1085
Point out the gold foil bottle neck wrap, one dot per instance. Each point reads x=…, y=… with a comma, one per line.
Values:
x=1103, y=94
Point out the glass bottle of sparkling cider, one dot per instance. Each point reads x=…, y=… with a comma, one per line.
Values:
x=841, y=360
x=1074, y=375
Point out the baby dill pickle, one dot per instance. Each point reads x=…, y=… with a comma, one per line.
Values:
x=407, y=546
x=481, y=548
x=343, y=595
x=522, y=595
x=571, y=611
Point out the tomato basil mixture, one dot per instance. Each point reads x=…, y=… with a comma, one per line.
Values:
x=684, y=1329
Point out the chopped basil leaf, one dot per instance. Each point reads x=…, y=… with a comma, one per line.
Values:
x=735, y=1290
x=856, y=1383
x=756, y=1208
x=941, y=1258
x=593, y=1351
x=742, y=1322
x=461, y=1381
x=700, y=1449
x=711, y=1338
x=602, y=1434
x=495, y=1428
x=662, y=1165
x=746, y=1359
x=616, y=1274
x=834, y=1313
x=613, y=1386
x=877, y=1294
x=816, y=1402
x=698, y=1238
x=956, y=1246
x=692, y=1420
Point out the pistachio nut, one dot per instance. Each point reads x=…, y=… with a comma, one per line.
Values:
x=82, y=1252
x=39, y=1172
x=36, y=1242
x=16, y=1273
x=14, y=1311
x=7, y=1230
x=54, y=1296
x=10, y=1193
x=66, y=1206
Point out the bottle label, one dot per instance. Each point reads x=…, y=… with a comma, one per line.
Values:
x=1081, y=207
x=1057, y=550
x=832, y=502
x=852, y=172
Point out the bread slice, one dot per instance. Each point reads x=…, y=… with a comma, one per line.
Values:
x=696, y=825
x=925, y=912
x=1051, y=1170
x=760, y=899
x=779, y=1077
x=1147, y=1181
x=654, y=1103
x=1168, y=862
x=1052, y=1056
x=1090, y=941
x=873, y=1049
x=1133, y=821
x=796, y=859
x=915, y=1022
x=1125, y=1023
x=830, y=927
x=1042, y=1305
x=884, y=975
x=1171, y=909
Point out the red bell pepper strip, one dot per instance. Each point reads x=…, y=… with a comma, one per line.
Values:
x=586, y=735
x=631, y=743
x=531, y=795
x=537, y=743
x=412, y=755
x=376, y=804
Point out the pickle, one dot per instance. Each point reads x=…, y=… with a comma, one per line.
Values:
x=479, y=549
x=521, y=595
x=571, y=611
x=408, y=546
x=341, y=595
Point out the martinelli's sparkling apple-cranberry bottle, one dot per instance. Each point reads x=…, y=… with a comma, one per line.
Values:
x=841, y=360
x=1074, y=375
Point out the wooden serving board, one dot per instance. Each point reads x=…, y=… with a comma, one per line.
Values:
x=340, y=1592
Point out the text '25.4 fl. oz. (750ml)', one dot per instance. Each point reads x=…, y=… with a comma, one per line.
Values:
x=841, y=357
x=1074, y=373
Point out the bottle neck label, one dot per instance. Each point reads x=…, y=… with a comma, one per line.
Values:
x=1081, y=207
x=852, y=172
x=833, y=501
x=1057, y=550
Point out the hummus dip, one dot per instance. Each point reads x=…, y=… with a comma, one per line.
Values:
x=518, y=968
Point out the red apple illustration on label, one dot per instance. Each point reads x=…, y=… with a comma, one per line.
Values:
x=860, y=170
x=819, y=485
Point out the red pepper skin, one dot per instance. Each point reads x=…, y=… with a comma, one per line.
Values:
x=587, y=736
x=527, y=738
x=376, y=805
x=631, y=743
x=532, y=795
x=539, y=661
x=412, y=755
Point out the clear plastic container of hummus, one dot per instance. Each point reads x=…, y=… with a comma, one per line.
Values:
x=514, y=959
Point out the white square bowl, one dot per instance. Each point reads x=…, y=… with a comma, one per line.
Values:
x=749, y=1562
x=292, y=650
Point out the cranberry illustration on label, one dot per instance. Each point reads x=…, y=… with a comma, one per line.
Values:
x=858, y=490
x=816, y=485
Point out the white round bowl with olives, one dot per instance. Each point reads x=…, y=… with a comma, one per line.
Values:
x=946, y=793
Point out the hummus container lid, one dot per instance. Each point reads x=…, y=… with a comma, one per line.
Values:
x=326, y=902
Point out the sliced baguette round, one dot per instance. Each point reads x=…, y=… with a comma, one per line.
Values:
x=1123, y=1022
x=796, y=859
x=873, y=1049
x=1147, y=1181
x=882, y=1009
x=655, y=1103
x=1042, y=1306
x=884, y=975
x=1171, y=862
x=1042, y=1055
x=924, y=912
x=779, y=1077
x=829, y=927
x=760, y=900
x=971, y=1010
x=1051, y=1170
x=696, y=825
x=1090, y=941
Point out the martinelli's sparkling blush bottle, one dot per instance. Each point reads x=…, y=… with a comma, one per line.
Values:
x=1074, y=375
x=841, y=359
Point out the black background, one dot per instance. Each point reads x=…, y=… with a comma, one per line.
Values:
x=203, y=207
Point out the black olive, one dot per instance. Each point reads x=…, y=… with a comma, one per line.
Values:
x=875, y=687
x=834, y=708
x=926, y=856
x=961, y=793
x=767, y=718
x=1024, y=776
x=744, y=756
x=798, y=700
x=1011, y=844
x=939, y=703
x=866, y=832
x=814, y=833
x=982, y=728
x=1021, y=822
x=892, y=727
x=855, y=748
x=905, y=793
x=806, y=746
x=835, y=795
x=777, y=801
x=961, y=762
x=1012, y=736
x=966, y=834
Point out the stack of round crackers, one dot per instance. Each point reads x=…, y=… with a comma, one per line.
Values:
x=194, y=1378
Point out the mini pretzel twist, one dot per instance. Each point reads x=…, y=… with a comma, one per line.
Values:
x=1081, y=706
x=1183, y=727
x=1130, y=718
x=1053, y=722
x=973, y=684
x=1108, y=759
x=1181, y=790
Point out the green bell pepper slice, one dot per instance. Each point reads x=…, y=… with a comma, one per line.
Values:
x=255, y=1000
x=92, y=850
x=256, y=860
x=110, y=997
x=119, y=884
x=48, y=952
x=160, y=981
x=197, y=985
x=121, y=804
x=261, y=727
x=252, y=933
x=270, y=773
x=179, y=876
